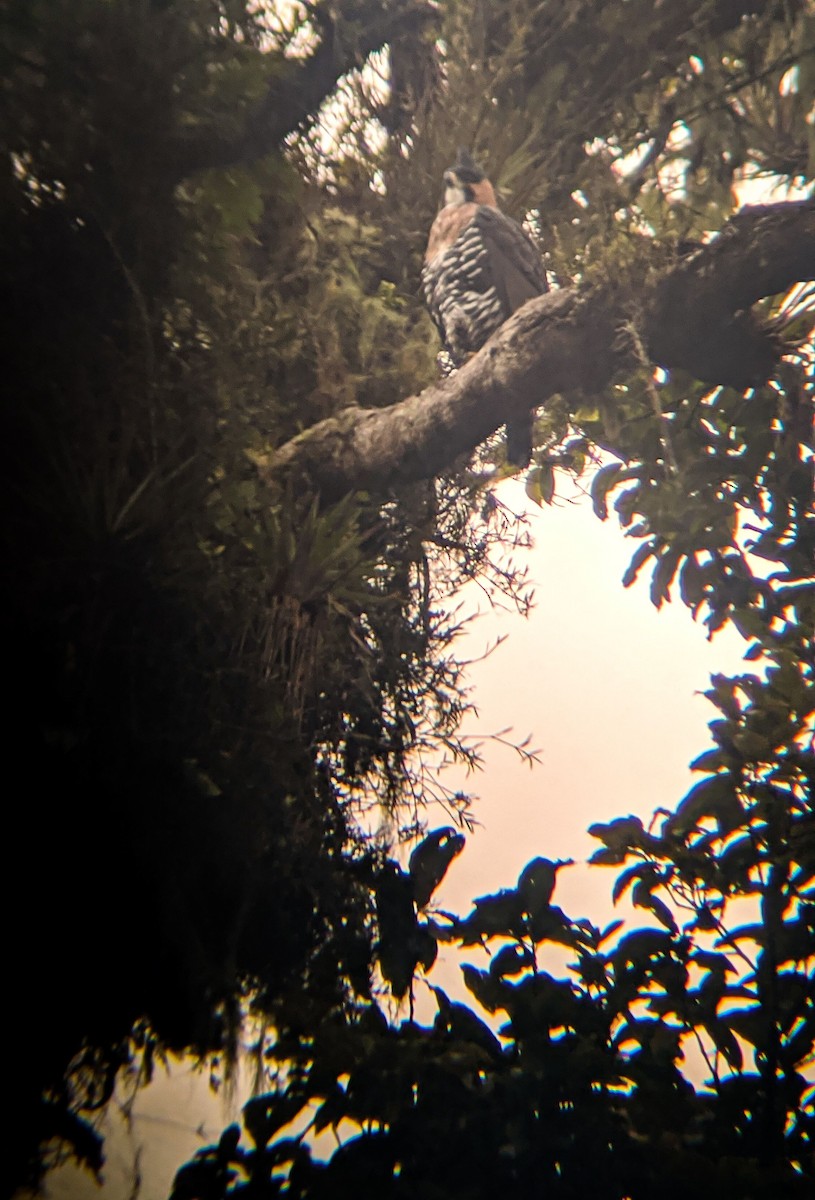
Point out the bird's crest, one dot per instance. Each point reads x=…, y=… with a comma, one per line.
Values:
x=466, y=168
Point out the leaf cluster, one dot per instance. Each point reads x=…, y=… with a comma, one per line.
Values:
x=220, y=688
x=548, y=1077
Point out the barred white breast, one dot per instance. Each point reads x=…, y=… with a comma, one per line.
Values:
x=480, y=267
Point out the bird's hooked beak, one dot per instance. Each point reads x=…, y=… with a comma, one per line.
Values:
x=455, y=192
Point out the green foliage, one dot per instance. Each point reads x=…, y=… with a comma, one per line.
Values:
x=210, y=678
x=219, y=687
x=580, y=1091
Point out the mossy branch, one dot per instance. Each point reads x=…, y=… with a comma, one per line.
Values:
x=696, y=315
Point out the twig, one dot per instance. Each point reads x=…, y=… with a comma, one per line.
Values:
x=664, y=435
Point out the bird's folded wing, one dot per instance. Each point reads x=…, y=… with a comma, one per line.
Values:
x=514, y=259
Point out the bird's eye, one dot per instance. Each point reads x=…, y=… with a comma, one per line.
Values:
x=450, y=179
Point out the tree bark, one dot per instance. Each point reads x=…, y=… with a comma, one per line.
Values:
x=695, y=316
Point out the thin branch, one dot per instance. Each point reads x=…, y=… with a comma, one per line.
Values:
x=350, y=31
x=653, y=395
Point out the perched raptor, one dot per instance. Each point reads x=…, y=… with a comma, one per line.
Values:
x=479, y=268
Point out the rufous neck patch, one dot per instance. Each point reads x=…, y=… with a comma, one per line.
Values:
x=484, y=193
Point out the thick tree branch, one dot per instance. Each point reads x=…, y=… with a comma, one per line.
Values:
x=699, y=314
x=695, y=316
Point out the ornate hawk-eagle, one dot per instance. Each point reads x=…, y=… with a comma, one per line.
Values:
x=479, y=268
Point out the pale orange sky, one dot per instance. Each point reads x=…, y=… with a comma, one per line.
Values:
x=607, y=687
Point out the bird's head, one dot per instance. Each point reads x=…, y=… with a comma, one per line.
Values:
x=466, y=183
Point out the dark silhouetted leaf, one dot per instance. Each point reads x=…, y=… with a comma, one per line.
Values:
x=430, y=860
